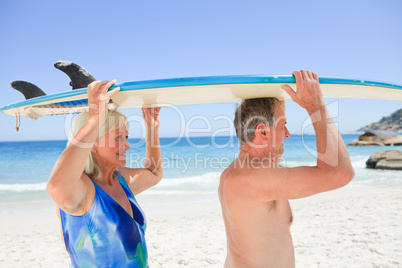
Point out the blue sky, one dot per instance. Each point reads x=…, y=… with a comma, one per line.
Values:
x=142, y=40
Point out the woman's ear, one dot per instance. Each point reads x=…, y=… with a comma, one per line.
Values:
x=94, y=147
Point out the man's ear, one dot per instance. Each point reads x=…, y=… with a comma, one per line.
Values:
x=261, y=130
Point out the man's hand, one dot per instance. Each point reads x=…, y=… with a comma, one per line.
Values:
x=308, y=94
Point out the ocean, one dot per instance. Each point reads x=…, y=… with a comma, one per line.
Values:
x=192, y=166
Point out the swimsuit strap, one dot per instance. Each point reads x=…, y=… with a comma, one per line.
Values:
x=138, y=214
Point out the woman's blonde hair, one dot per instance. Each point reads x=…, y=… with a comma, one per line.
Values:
x=114, y=120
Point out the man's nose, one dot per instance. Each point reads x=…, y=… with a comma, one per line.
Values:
x=287, y=133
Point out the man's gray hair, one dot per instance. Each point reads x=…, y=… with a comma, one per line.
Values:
x=252, y=112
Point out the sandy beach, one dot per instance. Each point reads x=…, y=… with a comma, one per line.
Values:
x=356, y=226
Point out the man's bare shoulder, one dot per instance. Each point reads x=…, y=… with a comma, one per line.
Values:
x=260, y=179
x=239, y=180
x=234, y=174
x=247, y=169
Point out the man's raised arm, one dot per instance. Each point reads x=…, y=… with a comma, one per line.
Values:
x=333, y=169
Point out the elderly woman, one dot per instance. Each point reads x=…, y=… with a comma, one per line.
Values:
x=101, y=221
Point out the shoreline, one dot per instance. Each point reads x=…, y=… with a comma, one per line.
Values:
x=355, y=226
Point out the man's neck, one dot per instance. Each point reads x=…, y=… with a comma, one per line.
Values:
x=260, y=152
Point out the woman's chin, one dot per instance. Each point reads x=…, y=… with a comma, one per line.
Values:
x=121, y=162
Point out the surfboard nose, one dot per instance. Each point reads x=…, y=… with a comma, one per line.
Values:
x=29, y=90
x=80, y=77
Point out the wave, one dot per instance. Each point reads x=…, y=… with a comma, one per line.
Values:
x=203, y=183
x=202, y=178
x=208, y=183
x=23, y=187
x=299, y=163
x=153, y=191
x=359, y=161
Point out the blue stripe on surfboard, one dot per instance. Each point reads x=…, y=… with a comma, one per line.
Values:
x=216, y=80
x=73, y=103
x=199, y=81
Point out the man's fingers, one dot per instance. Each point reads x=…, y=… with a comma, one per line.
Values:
x=310, y=75
x=304, y=74
x=298, y=77
x=315, y=76
x=288, y=90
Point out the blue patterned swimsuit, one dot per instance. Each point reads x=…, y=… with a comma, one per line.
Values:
x=106, y=236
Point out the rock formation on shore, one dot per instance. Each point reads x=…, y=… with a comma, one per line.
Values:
x=391, y=123
x=378, y=137
x=386, y=160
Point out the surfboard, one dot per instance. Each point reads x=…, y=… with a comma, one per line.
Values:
x=199, y=90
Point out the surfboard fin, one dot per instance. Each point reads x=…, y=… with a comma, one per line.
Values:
x=28, y=89
x=80, y=78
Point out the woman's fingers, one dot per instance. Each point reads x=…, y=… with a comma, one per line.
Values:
x=107, y=84
x=99, y=90
x=152, y=110
x=151, y=116
x=112, y=92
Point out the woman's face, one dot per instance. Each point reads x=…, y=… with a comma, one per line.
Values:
x=111, y=148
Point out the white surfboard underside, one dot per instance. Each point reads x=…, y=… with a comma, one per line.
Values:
x=202, y=94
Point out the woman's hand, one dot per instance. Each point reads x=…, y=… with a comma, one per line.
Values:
x=152, y=173
x=151, y=117
x=99, y=97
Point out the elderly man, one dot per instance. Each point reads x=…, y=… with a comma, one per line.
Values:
x=254, y=190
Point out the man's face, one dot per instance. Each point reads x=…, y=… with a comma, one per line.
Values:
x=278, y=133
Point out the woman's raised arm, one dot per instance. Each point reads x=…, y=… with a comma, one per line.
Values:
x=68, y=185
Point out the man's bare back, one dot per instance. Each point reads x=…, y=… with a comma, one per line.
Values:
x=254, y=190
x=258, y=232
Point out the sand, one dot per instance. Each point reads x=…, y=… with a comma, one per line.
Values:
x=356, y=226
